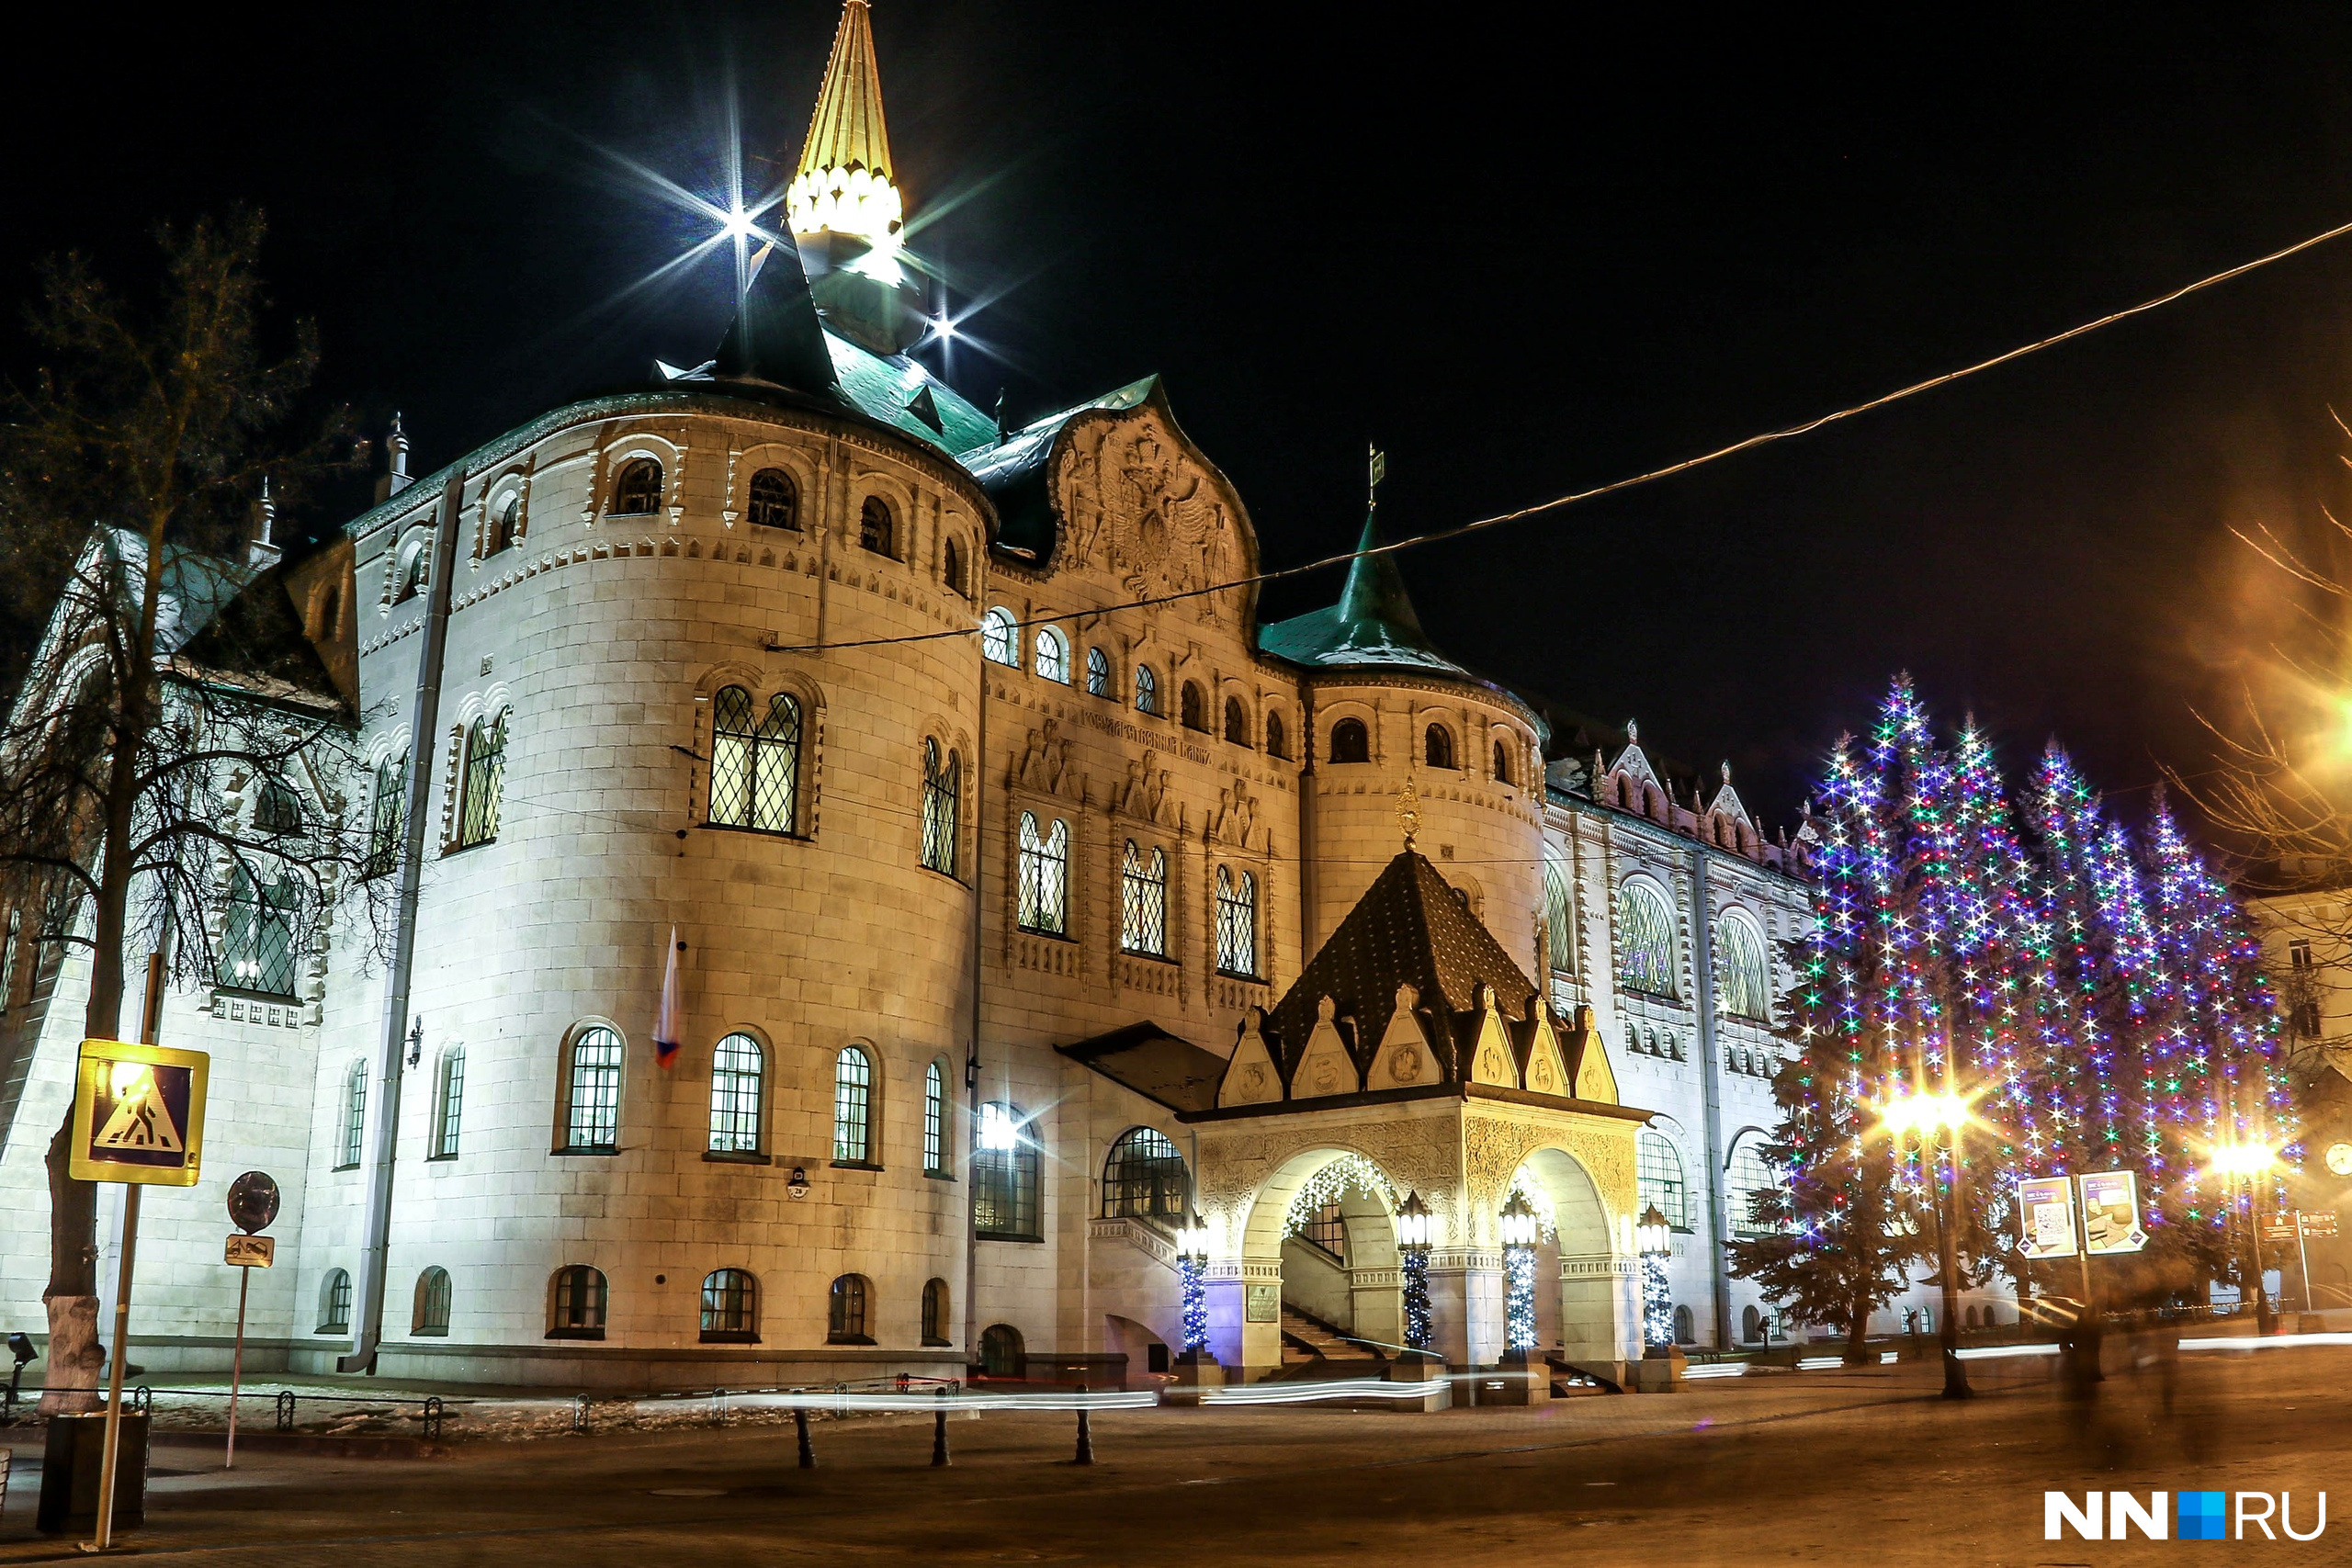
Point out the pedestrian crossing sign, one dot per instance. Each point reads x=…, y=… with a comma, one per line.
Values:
x=138, y=1113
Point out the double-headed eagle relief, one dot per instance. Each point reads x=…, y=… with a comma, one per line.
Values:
x=1138, y=505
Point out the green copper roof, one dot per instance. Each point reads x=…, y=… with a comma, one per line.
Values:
x=1373, y=625
x=1013, y=472
x=892, y=390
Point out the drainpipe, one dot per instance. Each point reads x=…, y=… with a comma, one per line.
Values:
x=1306, y=837
x=972, y=1058
x=384, y=1136
x=1703, y=949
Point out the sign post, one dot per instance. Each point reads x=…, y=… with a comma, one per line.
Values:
x=139, y=1121
x=252, y=1203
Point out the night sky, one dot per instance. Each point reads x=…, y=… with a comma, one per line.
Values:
x=1524, y=253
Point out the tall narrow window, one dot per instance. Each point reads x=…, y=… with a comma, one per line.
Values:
x=354, y=1141
x=431, y=1315
x=576, y=1305
x=731, y=1308
x=845, y=1312
x=1143, y=901
x=449, y=1102
x=1044, y=876
x=334, y=1303
x=413, y=565
x=257, y=937
x=639, y=490
x=754, y=762
x=387, y=817
x=277, y=810
x=591, y=1119
x=1437, y=746
x=1146, y=689
x=1559, y=914
x=485, y=781
x=942, y=793
x=875, y=529
x=1053, y=656
x=1145, y=1177
x=1647, y=956
x=999, y=638
x=737, y=1079
x=8, y=959
x=934, y=1313
x=1097, y=673
x=1277, y=740
x=1350, y=742
x=934, y=1121
x=1746, y=991
x=1237, y=922
x=1237, y=722
x=1195, y=707
x=853, y=1106
x=952, y=568
x=1503, y=764
x=1657, y=1173
x=775, y=500
x=503, y=524
x=1748, y=1179
x=1004, y=1176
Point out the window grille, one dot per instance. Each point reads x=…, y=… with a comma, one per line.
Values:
x=1437, y=746
x=1328, y=1230
x=1004, y=1176
x=1350, y=742
x=1237, y=923
x=355, y=1115
x=485, y=781
x=775, y=500
x=730, y=1307
x=1559, y=915
x=578, y=1309
x=1145, y=1176
x=934, y=1313
x=1195, y=705
x=449, y=1102
x=998, y=644
x=1746, y=992
x=1237, y=722
x=1143, y=902
x=334, y=1303
x=1146, y=689
x=1749, y=1177
x=1647, y=957
x=1277, y=743
x=737, y=1068
x=276, y=809
x=1658, y=1177
x=592, y=1120
x=875, y=529
x=754, y=768
x=942, y=795
x=853, y=1107
x=1053, y=656
x=388, y=819
x=846, y=1313
x=934, y=1121
x=639, y=490
x=1002, y=1354
x=1044, y=877
x=1097, y=673
x=257, y=938
x=431, y=1314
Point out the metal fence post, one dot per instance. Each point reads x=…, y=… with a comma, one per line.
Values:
x=285, y=1409
x=938, y=1430
x=1085, y=1434
x=580, y=1413
x=433, y=1413
x=801, y=1430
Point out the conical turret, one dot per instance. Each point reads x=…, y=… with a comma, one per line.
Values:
x=1374, y=622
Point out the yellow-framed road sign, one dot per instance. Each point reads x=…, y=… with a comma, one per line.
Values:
x=138, y=1114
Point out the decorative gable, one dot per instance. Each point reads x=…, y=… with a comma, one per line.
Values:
x=1325, y=1069
x=1249, y=1077
x=1490, y=1055
x=1547, y=1069
x=1405, y=1058
x=1588, y=1056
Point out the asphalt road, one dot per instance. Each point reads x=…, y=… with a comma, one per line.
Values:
x=1836, y=1467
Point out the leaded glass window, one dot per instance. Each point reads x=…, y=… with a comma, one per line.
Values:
x=257, y=937
x=934, y=1121
x=1559, y=914
x=449, y=1102
x=276, y=809
x=577, y=1311
x=1145, y=1176
x=1146, y=689
x=387, y=817
x=1277, y=741
x=754, y=762
x=1237, y=722
x=853, y=1106
x=1143, y=901
x=1740, y=974
x=1237, y=922
x=1044, y=876
x=1193, y=706
x=998, y=643
x=1437, y=746
x=942, y=791
x=1658, y=1177
x=736, y=1071
x=1097, y=673
x=639, y=490
x=1004, y=1176
x=355, y=1115
x=485, y=781
x=1646, y=945
x=1053, y=656
x=877, y=530
x=730, y=1307
x=775, y=500
x=1749, y=1176
x=591, y=1122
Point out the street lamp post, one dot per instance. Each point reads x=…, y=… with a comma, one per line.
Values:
x=1413, y=1242
x=1518, y=1226
x=1936, y=1121
x=2254, y=1162
x=1657, y=1244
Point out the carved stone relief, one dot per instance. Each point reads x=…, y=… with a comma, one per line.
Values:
x=1138, y=505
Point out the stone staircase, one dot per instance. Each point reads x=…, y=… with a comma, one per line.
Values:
x=1311, y=1346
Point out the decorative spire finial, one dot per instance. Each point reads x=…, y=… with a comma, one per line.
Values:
x=1727, y=773
x=1408, y=812
x=1633, y=732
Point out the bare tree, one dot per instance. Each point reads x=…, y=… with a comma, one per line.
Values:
x=166, y=766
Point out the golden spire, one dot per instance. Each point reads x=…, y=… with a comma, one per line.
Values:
x=844, y=185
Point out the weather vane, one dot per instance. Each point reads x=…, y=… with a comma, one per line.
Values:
x=1408, y=812
x=1375, y=471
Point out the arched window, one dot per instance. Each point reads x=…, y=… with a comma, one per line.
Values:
x=1277, y=741
x=1437, y=746
x=934, y=1121
x=1146, y=689
x=1350, y=742
x=998, y=643
x=591, y=1093
x=485, y=779
x=1747, y=1177
x=845, y=1313
x=414, y=564
x=1237, y=722
x=853, y=1107
x=1647, y=959
x=1053, y=656
x=1195, y=706
x=942, y=793
x=1044, y=876
x=775, y=500
x=449, y=1102
x=1002, y=1353
x=754, y=762
x=503, y=525
x=934, y=1313
x=1751, y=1325
x=952, y=568
x=353, y=1140
x=277, y=810
x=639, y=490
x=737, y=1086
x=1145, y=1176
x=388, y=817
x=1143, y=901
x=731, y=1308
x=876, y=529
x=1004, y=1176
x=576, y=1304
x=1237, y=922
x=1559, y=914
x=431, y=1314
x=1097, y=673
x=1741, y=977
x=1503, y=764
x=334, y=1303
x=257, y=937
x=1685, y=1329
x=1658, y=1177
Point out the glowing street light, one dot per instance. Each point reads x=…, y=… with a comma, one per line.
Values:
x=2250, y=1162
x=1413, y=1236
x=1519, y=1228
x=1935, y=1119
x=1656, y=1240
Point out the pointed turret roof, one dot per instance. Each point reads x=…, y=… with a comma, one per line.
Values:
x=847, y=130
x=1373, y=624
x=776, y=336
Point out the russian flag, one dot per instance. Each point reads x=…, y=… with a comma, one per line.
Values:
x=667, y=1031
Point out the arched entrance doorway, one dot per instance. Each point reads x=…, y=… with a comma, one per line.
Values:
x=1319, y=1262
x=1586, y=1304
